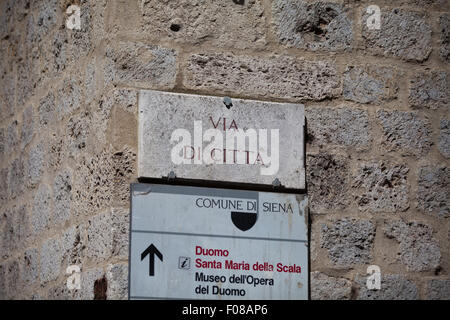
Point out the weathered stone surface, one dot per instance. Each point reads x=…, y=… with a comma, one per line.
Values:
x=88, y=279
x=29, y=266
x=47, y=14
x=430, y=90
x=12, y=136
x=444, y=138
x=62, y=196
x=405, y=132
x=418, y=249
x=78, y=129
x=324, y=287
x=107, y=235
x=328, y=180
x=370, y=84
x=93, y=22
x=103, y=180
x=393, y=287
x=276, y=76
x=117, y=276
x=349, y=242
x=381, y=187
x=6, y=18
x=57, y=57
x=7, y=86
x=2, y=143
x=331, y=126
x=36, y=164
x=433, y=191
x=72, y=245
x=16, y=178
x=139, y=64
x=47, y=110
x=12, y=275
x=444, y=22
x=15, y=231
x=61, y=292
x=69, y=96
x=57, y=149
x=3, y=293
x=313, y=26
x=162, y=115
x=3, y=185
x=42, y=210
x=26, y=81
x=238, y=24
x=438, y=289
x=90, y=84
x=50, y=260
x=404, y=34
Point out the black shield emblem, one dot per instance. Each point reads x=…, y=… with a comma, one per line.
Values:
x=244, y=220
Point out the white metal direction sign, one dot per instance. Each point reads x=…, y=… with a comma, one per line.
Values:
x=207, y=243
x=221, y=139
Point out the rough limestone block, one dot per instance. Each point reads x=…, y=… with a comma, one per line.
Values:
x=3, y=293
x=117, y=276
x=15, y=231
x=11, y=136
x=229, y=24
x=418, y=249
x=438, y=289
x=16, y=178
x=50, y=260
x=47, y=16
x=92, y=30
x=444, y=138
x=324, y=287
x=107, y=235
x=3, y=185
x=57, y=56
x=393, y=287
x=72, y=245
x=88, y=279
x=29, y=266
x=78, y=130
x=276, y=76
x=13, y=280
x=62, y=292
x=405, y=132
x=433, y=191
x=381, y=187
x=324, y=26
x=328, y=182
x=404, y=34
x=349, y=242
x=341, y=126
x=139, y=64
x=62, y=196
x=36, y=164
x=42, y=210
x=69, y=96
x=370, y=84
x=47, y=110
x=444, y=22
x=430, y=90
x=102, y=180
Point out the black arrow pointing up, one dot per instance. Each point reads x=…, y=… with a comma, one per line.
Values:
x=151, y=250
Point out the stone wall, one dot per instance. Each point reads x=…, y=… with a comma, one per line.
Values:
x=377, y=107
